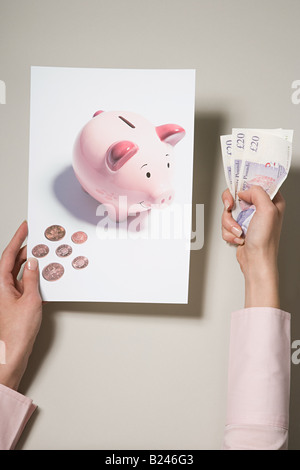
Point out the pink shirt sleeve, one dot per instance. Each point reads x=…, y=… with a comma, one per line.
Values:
x=15, y=411
x=258, y=380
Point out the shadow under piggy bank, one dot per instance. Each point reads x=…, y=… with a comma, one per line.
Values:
x=82, y=206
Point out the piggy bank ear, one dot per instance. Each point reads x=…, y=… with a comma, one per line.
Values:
x=119, y=153
x=170, y=133
x=97, y=112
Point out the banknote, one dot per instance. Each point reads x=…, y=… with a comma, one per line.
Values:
x=257, y=157
x=226, y=146
x=271, y=150
x=239, y=141
x=239, y=144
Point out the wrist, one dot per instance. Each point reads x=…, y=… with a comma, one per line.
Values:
x=261, y=271
x=12, y=371
x=9, y=378
x=262, y=286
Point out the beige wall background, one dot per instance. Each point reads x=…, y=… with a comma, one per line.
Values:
x=136, y=376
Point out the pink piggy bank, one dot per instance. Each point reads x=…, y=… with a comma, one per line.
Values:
x=125, y=162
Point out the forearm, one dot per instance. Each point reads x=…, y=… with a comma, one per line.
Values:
x=11, y=376
x=16, y=360
x=262, y=286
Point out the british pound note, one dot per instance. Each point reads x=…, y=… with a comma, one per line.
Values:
x=258, y=157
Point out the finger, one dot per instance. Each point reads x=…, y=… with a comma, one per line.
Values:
x=227, y=200
x=20, y=260
x=230, y=238
x=10, y=253
x=19, y=286
x=279, y=202
x=231, y=225
x=257, y=195
x=31, y=279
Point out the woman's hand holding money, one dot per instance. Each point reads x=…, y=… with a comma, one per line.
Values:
x=257, y=251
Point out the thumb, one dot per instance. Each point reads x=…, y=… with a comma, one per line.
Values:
x=256, y=195
x=31, y=278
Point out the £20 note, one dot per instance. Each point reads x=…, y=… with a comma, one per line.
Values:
x=258, y=157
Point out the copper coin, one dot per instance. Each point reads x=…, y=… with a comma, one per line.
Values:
x=53, y=272
x=80, y=262
x=79, y=237
x=55, y=233
x=63, y=251
x=40, y=251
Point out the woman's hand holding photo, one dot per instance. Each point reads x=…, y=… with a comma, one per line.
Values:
x=20, y=308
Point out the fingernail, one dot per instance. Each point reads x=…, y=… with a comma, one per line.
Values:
x=226, y=204
x=32, y=264
x=236, y=231
x=239, y=241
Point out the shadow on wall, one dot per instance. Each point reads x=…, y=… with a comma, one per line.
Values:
x=289, y=266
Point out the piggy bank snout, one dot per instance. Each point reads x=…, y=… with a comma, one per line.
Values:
x=163, y=198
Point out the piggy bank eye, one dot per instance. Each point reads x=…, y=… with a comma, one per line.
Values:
x=148, y=174
x=168, y=165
